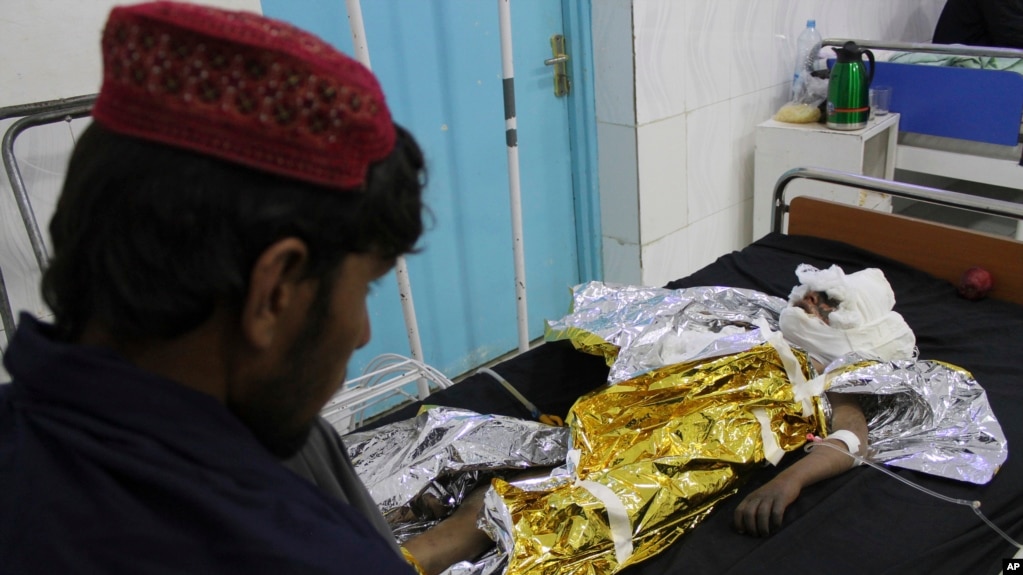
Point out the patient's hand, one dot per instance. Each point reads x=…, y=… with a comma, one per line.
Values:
x=454, y=539
x=761, y=512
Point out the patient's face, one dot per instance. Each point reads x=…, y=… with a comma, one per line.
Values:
x=817, y=304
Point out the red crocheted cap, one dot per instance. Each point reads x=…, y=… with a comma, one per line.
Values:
x=243, y=88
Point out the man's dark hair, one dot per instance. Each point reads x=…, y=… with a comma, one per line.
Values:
x=148, y=240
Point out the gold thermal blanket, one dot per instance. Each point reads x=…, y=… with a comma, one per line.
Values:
x=651, y=458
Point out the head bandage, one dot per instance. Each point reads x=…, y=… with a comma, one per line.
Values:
x=864, y=321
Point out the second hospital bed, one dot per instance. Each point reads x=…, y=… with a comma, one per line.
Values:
x=960, y=108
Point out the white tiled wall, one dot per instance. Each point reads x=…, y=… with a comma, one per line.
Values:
x=680, y=88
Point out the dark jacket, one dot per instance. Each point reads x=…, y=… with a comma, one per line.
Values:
x=105, y=468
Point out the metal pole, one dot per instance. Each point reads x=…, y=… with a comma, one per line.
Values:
x=354, y=8
x=408, y=307
x=6, y=312
x=511, y=138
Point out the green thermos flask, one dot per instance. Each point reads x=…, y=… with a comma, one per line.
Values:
x=849, y=88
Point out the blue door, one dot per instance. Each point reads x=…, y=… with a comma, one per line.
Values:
x=440, y=66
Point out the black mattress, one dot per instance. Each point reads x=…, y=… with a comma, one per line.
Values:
x=862, y=521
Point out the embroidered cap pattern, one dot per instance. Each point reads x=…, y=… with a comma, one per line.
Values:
x=244, y=88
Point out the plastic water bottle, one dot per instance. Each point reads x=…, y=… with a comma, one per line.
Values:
x=808, y=45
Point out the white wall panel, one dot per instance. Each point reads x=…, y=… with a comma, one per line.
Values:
x=51, y=47
x=729, y=63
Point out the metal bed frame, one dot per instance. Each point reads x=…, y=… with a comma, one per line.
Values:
x=936, y=196
x=952, y=49
x=969, y=164
x=944, y=251
x=31, y=115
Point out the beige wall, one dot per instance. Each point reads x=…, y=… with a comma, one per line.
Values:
x=681, y=86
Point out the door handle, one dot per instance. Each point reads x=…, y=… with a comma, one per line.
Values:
x=559, y=59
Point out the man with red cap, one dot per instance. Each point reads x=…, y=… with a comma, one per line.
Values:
x=223, y=217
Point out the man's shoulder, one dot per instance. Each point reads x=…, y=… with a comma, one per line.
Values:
x=65, y=499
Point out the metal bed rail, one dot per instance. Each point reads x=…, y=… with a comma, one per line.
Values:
x=19, y=110
x=941, y=160
x=898, y=189
x=59, y=112
x=33, y=114
x=950, y=49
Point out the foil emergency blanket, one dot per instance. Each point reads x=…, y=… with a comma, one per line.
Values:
x=651, y=458
x=697, y=401
x=657, y=450
x=927, y=416
x=642, y=328
x=418, y=470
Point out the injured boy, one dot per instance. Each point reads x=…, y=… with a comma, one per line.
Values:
x=703, y=390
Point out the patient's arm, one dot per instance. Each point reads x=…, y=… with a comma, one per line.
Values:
x=454, y=539
x=761, y=513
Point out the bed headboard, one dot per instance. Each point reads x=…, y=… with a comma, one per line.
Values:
x=964, y=103
x=940, y=250
x=943, y=251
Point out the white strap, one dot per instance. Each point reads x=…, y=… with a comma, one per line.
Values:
x=772, y=451
x=617, y=518
x=802, y=389
x=788, y=359
x=572, y=461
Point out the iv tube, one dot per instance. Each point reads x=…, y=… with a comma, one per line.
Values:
x=974, y=505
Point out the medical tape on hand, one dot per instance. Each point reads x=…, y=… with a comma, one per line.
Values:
x=617, y=516
x=852, y=443
x=772, y=451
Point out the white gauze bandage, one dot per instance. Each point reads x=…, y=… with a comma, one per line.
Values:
x=863, y=322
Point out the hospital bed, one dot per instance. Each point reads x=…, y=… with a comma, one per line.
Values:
x=955, y=122
x=862, y=521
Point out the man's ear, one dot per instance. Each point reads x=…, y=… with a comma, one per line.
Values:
x=275, y=289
